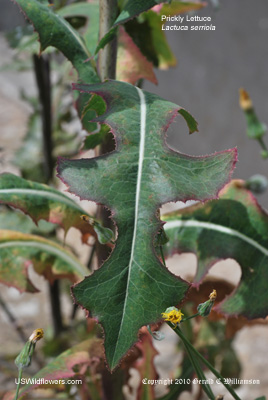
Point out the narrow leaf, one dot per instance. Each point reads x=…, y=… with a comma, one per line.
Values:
x=132, y=288
x=18, y=251
x=43, y=202
x=131, y=10
x=233, y=227
x=54, y=31
x=134, y=8
x=89, y=10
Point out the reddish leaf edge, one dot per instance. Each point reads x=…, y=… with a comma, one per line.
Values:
x=140, y=333
x=197, y=284
x=173, y=114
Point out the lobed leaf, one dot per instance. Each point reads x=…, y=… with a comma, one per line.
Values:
x=132, y=288
x=55, y=31
x=233, y=227
x=19, y=250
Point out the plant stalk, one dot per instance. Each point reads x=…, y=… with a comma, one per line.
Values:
x=262, y=144
x=107, y=70
x=107, y=56
x=204, y=361
x=42, y=75
x=18, y=385
x=13, y=321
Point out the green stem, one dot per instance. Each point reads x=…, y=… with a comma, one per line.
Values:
x=262, y=144
x=107, y=70
x=18, y=385
x=107, y=56
x=212, y=369
x=192, y=316
x=199, y=372
x=42, y=75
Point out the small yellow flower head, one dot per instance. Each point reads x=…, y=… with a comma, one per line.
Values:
x=87, y=219
x=245, y=100
x=36, y=335
x=213, y=295
x=173, y=315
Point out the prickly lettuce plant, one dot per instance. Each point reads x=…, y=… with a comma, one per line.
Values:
x=139, y=173
x=133, y=181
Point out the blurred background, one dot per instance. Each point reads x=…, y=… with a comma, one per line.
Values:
x=212, y=66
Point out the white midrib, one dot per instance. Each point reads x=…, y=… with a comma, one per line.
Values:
x=48, y=248
x=137, y=199
x=41, y=193
x=218, y=228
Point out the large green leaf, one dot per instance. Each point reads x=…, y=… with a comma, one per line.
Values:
x=233, y=227
x=133, y=287
x=43, y=202
x=19, y=250
x=54, y=31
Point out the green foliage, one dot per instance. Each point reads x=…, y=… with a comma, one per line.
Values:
x=234, y=227
x=18, y=251
x=55, y=31
x=146, y=31
x=91, y=12
x=132, y=288
x=151, y=174
x=42, y=202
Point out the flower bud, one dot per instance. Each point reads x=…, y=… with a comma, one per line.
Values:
x=205, y=308
x=257, y=183
x=255, y=129
x=25, y=357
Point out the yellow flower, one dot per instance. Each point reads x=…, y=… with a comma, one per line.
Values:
x=36, y=335
x=245, y=100
x=173, y=315
x=213, y=295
